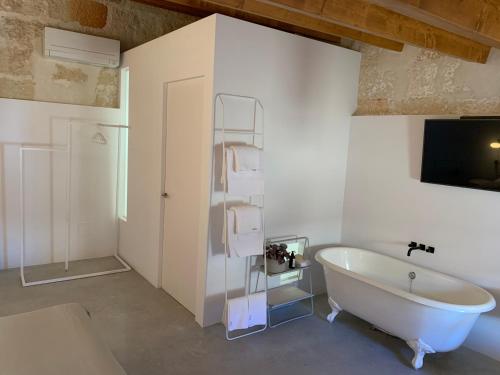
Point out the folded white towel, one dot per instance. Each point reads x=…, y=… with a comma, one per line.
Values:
x=245, y=312
x=257, y=309
x=236, y=313
x=242, y=245
x=248, y=219
x=243, y=183
x=246, y=158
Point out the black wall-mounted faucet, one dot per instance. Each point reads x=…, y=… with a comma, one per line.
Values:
x=413, y=246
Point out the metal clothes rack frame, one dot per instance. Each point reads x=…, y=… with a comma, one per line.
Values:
x=253, y=133
x=67, y=149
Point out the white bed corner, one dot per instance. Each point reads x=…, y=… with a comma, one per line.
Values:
x=55, y=340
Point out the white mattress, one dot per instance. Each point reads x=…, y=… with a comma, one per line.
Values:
x=54, y=341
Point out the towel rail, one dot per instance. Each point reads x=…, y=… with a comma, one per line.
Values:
x=240, y=131
x=253, y=132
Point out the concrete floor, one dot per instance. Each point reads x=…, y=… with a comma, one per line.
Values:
x=150, y=333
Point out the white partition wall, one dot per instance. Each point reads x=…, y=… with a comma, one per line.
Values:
x=309, y=91
x=159, y=71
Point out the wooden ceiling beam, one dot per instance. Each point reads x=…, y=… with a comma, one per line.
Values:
x=372, y=18
x=276, y=16
x=475, y=19
x=360, y=20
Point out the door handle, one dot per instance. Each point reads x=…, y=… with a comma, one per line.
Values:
x=165, y=195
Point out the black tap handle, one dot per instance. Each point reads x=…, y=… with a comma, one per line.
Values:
x=421, y=246
x=412, y=244
x=430, y=249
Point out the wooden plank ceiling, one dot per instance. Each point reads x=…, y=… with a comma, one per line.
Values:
x=466, y=29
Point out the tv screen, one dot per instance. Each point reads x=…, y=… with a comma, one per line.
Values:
x=463, y=152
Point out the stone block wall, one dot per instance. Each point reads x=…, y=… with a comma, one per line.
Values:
x=422, y=82
x=416, y=81
x=26, y=74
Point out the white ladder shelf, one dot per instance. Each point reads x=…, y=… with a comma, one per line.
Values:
x=255, y=135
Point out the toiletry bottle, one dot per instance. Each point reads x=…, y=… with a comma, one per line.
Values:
x=291, y=262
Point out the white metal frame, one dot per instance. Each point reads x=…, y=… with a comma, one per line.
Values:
x=288, y=239
x=253, y=133
x=67, y=150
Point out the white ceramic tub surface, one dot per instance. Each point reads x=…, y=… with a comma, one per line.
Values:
x=435, y=316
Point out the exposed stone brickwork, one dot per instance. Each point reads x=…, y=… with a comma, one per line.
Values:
x=419, y=81
x=106, y=82
x=26, y=74
x=88, y=13
x=69, y=75
x=415, y=81
x=19, y=89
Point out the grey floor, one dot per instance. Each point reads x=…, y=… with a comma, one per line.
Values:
x=150, y=333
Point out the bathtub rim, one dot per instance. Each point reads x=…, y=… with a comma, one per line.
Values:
x=473, y=309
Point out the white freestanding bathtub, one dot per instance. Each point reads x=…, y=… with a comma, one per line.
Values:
x=432, y=313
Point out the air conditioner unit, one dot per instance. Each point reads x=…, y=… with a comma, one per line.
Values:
x=82, y=48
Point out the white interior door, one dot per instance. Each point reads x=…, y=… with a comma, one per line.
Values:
x=183, y=164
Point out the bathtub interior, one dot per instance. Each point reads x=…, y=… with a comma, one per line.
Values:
x=395, y=273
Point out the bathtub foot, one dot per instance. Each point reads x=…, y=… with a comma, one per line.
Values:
x=335, y=310
x=421, y=349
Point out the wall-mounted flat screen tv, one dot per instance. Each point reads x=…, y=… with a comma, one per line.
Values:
x=462, y=152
